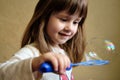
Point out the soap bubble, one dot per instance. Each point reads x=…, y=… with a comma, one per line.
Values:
x=99, y=52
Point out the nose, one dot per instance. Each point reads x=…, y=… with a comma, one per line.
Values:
x=69, y=27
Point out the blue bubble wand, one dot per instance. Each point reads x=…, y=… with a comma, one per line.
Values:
x=48, y=67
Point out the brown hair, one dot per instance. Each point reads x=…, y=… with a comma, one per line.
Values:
x=35, y=31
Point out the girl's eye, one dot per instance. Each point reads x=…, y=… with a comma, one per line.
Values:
x=63, y=19
x=76, y=22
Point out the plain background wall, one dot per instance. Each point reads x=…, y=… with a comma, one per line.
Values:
x=103, y=21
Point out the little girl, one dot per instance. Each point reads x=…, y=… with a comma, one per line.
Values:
x=55, y=34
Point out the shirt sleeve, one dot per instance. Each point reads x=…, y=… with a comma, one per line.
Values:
x=18, y=67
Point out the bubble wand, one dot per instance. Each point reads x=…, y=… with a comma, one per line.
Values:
x=48, y=67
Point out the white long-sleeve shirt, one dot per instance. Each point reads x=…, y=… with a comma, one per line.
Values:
x=19, y=66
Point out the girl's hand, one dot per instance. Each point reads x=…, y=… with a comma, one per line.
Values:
x=59, y=61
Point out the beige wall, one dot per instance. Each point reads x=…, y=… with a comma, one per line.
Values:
x=103, y=21
x=14, y=16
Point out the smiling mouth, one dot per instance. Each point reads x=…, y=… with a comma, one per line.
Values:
x=65, y=35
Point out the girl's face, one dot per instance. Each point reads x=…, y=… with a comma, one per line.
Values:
x=61, y=27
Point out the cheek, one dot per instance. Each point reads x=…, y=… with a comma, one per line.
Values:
x=75, y=30
x=52, y=29
x=54, y=26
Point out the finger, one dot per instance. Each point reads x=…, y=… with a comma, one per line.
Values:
x=51, y=58
x=54, y=62
x=64, y=63
x=61, y=64
x=67, y=61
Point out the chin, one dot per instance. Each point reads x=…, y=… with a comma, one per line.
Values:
x=62, y=42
